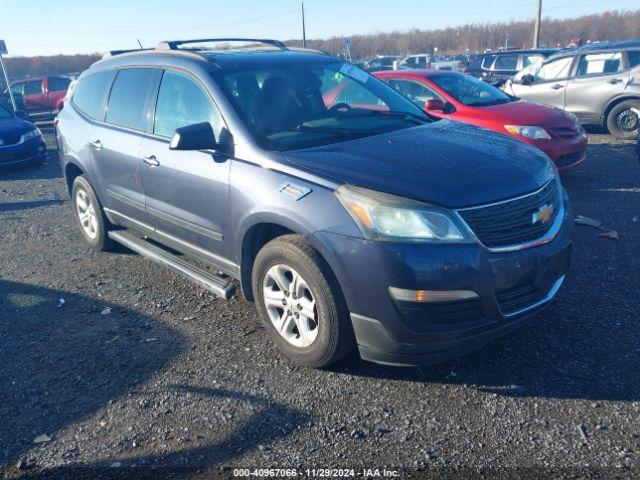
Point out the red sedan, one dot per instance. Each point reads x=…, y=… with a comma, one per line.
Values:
x=456, y=96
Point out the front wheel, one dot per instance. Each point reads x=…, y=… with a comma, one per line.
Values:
x=300, y=303
x=623, y=120
x=91, y=218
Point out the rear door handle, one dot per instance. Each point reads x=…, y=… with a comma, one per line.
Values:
x=96, y=144
x=613, y=81
x=557, y=86
x=151, y=161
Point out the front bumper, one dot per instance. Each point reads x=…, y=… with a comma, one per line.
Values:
x=31, y=151
x=564, y=153
x=511, y=286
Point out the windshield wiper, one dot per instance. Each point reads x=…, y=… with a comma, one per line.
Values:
x=342, y=132
x=419, y=119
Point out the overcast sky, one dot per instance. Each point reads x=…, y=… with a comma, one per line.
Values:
x=40, y=27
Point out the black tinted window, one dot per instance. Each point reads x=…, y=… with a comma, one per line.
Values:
x=182, y=102
x=507, y=62
x=90, y=93
x=634, y=58
x=128, y=96
x=57, y=84
x=33, y=88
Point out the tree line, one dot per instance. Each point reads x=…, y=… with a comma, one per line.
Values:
x=472, y=38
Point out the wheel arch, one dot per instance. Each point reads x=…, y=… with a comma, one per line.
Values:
x=258, y=234
x=71, y=171
x=615, y=101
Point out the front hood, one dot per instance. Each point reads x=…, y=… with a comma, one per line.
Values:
x=530, y=113
x=14, y=126
x=445, y=163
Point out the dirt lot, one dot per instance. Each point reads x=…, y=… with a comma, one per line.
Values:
x=131, y=371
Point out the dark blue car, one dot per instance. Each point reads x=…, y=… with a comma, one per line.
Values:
x=21, y=142
x=348, y=216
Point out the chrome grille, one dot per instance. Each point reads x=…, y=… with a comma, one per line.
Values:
x=511, y=222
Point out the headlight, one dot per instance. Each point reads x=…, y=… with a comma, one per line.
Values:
x=526, y=131
x=30, y=134
x=381, y=216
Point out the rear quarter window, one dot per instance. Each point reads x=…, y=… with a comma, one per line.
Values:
x=90, y=93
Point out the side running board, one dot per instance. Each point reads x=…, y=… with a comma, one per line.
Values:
x=220, y=286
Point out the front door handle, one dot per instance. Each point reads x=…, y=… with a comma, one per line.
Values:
x=557, y=86
x=151, y=161
x=613, y=81
x=97, y=144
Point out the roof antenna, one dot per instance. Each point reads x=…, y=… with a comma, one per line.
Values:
x=140, y=43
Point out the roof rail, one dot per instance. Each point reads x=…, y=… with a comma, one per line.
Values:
x=174, y=44
x=112, y=53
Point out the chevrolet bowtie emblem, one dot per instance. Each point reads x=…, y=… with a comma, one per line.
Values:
x=543, y=215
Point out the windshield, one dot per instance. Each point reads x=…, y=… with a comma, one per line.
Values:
x=4, y=113
x=295, y=106
x=469, y=90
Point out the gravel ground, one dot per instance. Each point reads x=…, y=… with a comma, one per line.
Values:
x=131, y=371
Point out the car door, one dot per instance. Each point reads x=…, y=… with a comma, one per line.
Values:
x=35, y=97
x=598, y=78
x=549, y=85
x=187, y=192
x=115, y=143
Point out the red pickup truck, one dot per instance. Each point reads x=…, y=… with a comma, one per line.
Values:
x=40, y=96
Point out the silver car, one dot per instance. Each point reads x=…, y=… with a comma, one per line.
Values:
x=600, y=84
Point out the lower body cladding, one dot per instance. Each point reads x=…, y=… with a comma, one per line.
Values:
x=421, y=304
x=26, y=153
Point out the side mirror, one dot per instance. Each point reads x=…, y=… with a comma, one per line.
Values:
x=198, y=136
x=434, y=104
x=527, y=79
x=20, y=113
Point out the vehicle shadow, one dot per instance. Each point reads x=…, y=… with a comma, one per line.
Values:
x=270, y=422
x=60, y=362
x=550, y=357
x=28, y=205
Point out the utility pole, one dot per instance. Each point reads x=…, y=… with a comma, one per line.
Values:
x=536, y=30
x=304, y=32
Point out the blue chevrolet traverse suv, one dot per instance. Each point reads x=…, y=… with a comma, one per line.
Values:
x=346, y=214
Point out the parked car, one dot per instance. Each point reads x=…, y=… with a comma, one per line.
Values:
x=381, y=63
x=41, y=97
x=21, y=142
x=497, y=67
x=431, y=61
x=466, y=99
x=598, y=83
x=350, y=219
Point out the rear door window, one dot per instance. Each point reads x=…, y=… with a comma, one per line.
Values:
x=128, y=98
x=599, y=64
x=90, y=93
x=506, y=62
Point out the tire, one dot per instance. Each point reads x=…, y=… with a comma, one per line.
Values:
x=318, y=295
x=94, y=226
x=622, y=121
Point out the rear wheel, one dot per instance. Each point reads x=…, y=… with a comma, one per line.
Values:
x=623, y=120
x=300, y=303
x=91, y=218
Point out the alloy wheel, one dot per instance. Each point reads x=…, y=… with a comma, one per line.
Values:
x=86, y=214
x=290, y=305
